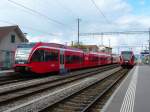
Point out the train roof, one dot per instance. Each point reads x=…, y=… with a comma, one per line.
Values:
x=61, y=46
x=98, y=53
x=55, y=45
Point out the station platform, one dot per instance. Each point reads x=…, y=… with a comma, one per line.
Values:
x=133, y=94
x=6, y=72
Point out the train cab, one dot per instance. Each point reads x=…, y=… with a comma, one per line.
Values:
x=127, y=59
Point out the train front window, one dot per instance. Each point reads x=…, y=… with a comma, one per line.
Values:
x=126, y=55
x=51, y=55
x=22, y=53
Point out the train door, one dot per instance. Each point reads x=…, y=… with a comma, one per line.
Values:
x=62, y=60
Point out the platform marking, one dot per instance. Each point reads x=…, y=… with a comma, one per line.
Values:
x=128, y=101
x=104, y=109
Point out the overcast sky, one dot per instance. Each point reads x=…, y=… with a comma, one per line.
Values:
x=58, y=22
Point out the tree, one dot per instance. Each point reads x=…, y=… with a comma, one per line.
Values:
x=80, y=46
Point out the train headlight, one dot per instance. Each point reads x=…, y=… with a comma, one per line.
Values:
x=27, y=68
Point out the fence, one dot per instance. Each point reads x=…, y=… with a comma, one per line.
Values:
x=6, y=59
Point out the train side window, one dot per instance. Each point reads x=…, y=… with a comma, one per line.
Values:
x=76, y=59
x=81, y=60
x=51, y=55
x=61, y=59
x=102, y=59
x=68, y=59
x=38, y=56
x=73, y=59
x=96, y=59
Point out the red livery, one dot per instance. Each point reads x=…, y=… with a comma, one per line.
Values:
x=50, y=57
x=127, y=59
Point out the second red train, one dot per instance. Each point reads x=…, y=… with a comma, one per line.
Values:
x=127, y=59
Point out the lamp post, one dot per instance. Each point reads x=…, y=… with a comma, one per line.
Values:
x=78, y=20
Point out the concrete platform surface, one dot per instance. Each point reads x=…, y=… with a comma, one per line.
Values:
x=133, y=95
x=6, y=72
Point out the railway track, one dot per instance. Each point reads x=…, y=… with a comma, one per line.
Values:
x=10, y=79
x=101, y=100
x=15, y=77
x=14, y=81
x=85, y=100
x=12, y=93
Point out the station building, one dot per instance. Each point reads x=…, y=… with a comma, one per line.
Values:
x=90, y=48
x=96, y=48
x=10, y=37
x=105, y=49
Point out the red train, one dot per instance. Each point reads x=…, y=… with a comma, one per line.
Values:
x=50, y=57
x=127, y=59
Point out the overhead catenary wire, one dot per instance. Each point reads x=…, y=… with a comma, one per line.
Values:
x=100, y=12
x=65, y=7
x=124, y=46
x=130, y=32
x=116, y=33
x=38, y=13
